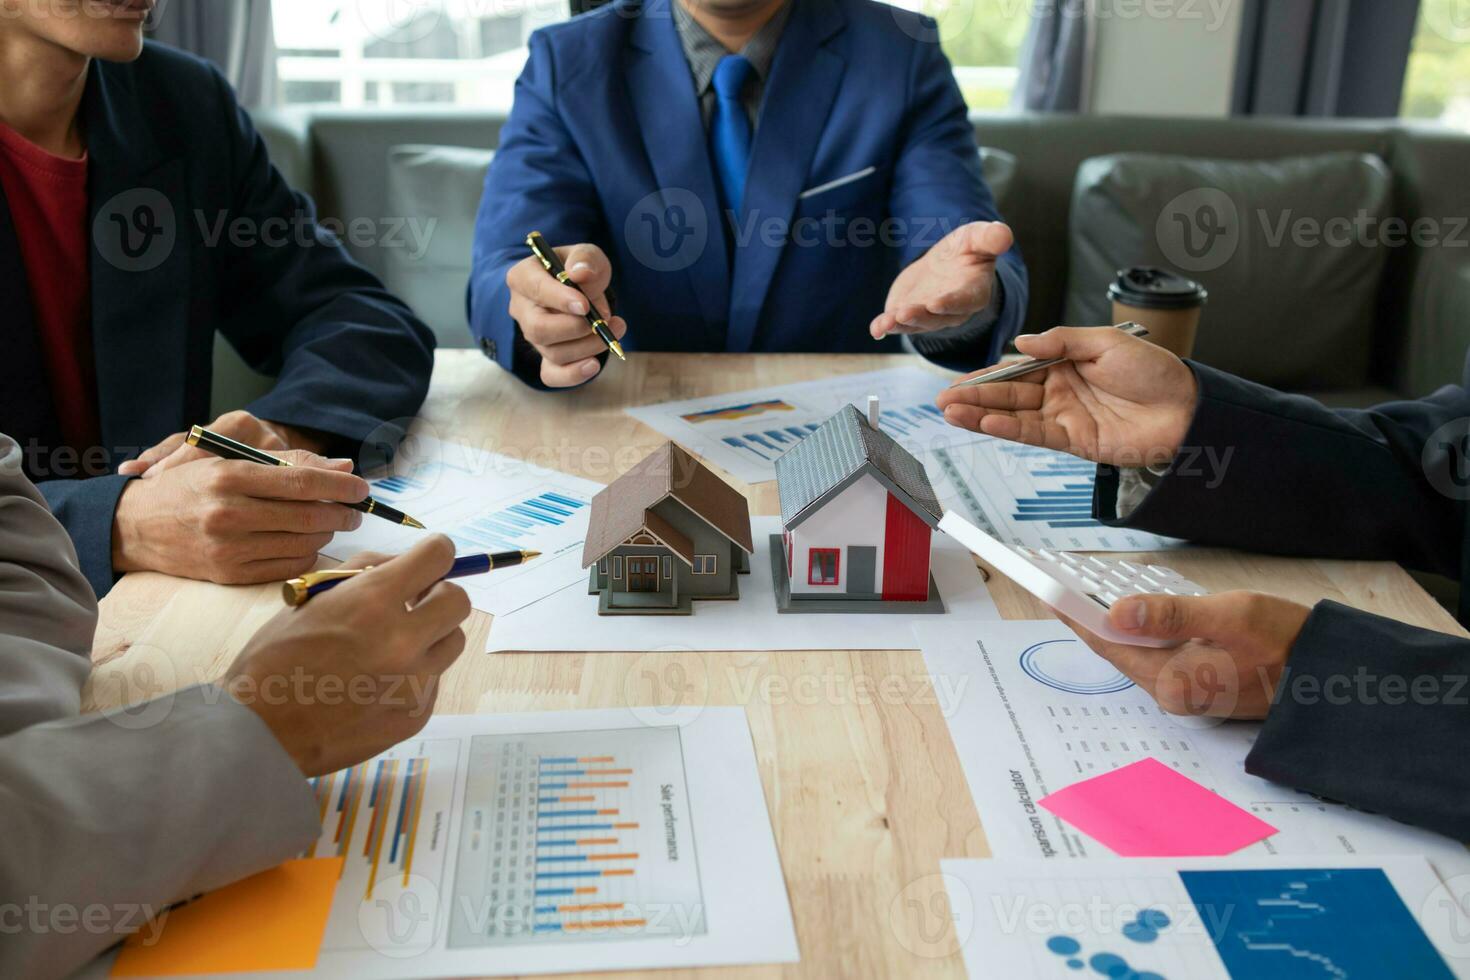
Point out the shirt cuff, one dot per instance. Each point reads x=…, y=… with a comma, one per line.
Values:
x=1134, y=485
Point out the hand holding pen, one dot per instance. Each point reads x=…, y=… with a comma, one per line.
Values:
x=556, y=315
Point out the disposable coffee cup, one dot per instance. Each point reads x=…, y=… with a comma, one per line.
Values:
x=1168, y=304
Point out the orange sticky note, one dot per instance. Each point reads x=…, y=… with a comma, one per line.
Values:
x=271, y=921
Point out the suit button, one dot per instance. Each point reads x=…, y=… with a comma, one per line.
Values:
x=490, y=349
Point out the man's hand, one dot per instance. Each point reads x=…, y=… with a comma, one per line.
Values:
x=1235, y=649
x=235, y=522
x=1117, y=400
x=949, y=285
x=240, y=426
x=551, y=315
x=356, y=670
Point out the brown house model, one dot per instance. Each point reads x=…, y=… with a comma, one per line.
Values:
x=666, y=533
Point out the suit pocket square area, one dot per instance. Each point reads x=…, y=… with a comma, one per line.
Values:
x=832, y=185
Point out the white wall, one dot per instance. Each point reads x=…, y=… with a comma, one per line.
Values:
x=856, y=516
x=1165, y=57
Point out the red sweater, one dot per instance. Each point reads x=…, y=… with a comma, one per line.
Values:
x=47, y=196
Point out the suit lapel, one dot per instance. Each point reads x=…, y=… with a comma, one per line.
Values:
x=672, y=129
x=26, y=411
x=804, y=81
x=141, y=268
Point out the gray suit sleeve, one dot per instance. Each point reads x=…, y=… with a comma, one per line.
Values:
x=108, y=818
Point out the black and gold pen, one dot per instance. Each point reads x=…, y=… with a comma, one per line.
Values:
x=297, y=591
x=551, y=262
x=226, y=448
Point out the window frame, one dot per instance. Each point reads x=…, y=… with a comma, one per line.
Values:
x=812, y=568
x=618, y=567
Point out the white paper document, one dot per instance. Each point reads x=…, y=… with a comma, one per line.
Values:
x=568, y=620
x=1028, y=496
x=744, y=432
x=494, y=863
x=1207, y=919
x=485, y=502
x=1033, y=710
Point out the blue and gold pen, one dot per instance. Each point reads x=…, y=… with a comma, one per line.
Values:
x=299, y=590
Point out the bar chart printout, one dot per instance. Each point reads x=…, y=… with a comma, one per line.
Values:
x=386, y=818
x=1029, y=496
x=576, y=836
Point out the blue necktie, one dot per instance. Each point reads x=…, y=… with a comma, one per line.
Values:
x=729, y=131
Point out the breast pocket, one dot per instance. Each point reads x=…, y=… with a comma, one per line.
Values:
x=854, y=193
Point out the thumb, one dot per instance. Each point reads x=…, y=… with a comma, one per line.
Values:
x=1073, y=343
x=589, y=267
x=988, y=239
x=1221, y=618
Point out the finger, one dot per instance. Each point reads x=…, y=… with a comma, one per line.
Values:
x=310, y=477
x=442, y=655
x=1009, y=396
x=411, y=574
x=1221, y=618
x=569, y=375
x=1073, y=343
x=987, y=239
x=589, y=267
x=441, y=610
x=883, y=324
x=255, y=515
x=574, y=351
x=363, y=559
x=543, y=327
x=918, y=319
x=530, y=280
x=156, y=453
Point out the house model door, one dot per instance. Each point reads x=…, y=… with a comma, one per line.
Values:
x=643, y=574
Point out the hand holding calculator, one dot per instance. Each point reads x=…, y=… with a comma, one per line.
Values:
x=1081, y=587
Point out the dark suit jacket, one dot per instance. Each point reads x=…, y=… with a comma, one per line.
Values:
x=1372, y=712
x=174, y=163
x=606, y=144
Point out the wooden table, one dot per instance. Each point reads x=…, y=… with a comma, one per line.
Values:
x=861, y=779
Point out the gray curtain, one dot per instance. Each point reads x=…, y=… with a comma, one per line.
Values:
x=1324, y=57
x=1056, y=57
x=234, y=34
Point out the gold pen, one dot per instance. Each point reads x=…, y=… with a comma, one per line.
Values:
x=298, y=591
x=226, y=448
x=552, y=264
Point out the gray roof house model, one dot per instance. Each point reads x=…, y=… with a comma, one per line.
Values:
x=858, y=514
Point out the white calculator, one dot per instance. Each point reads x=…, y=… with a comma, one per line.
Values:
x=1082, y=587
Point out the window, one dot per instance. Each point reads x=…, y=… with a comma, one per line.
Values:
x=1438, y=84
x=825, y=563
x=602, y=567
x=983, y=40
x=363, y=53
x=668, y=567
x=617, y=567
x=705, y=564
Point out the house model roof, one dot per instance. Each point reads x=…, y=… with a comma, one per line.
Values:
x=625, y=508
x=838, y=454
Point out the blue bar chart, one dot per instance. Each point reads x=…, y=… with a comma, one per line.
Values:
x=575, y=836
x=1029, y=496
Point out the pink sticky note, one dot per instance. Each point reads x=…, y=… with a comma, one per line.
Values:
x=1149, y=810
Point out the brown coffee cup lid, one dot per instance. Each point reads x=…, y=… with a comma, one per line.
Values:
x=1149, y=288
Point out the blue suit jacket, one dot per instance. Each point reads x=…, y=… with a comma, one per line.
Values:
x=164, y=133
x=606, y=144
x=1387, y=484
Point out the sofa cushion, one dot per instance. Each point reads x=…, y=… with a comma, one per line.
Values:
x=1000, y=175
x=1292, y=252
x=439, y=187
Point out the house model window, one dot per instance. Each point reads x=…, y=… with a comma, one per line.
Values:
x=824, y=566
x=706, y=564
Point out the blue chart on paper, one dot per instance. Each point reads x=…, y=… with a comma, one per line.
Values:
x=1063, y=488
x=904, y=422
x=1290, y=924
x=1066, y=666
x=514, y=525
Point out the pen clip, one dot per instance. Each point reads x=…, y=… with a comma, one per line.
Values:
x=538, y=249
